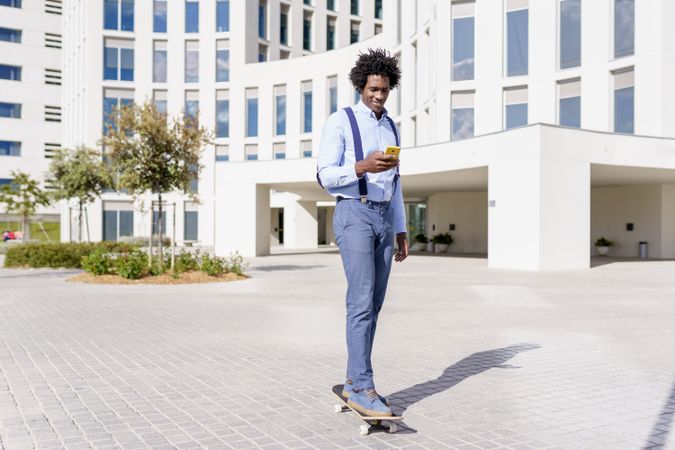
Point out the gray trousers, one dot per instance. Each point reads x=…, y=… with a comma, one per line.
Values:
x=365, y=236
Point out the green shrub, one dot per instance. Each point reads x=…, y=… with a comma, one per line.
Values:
x=132, y=265
x=57, y=254
x=442, y=238
x=155, y=269
x=98, y=262
x=212, y=265
x=186, y=262
x=236, y=264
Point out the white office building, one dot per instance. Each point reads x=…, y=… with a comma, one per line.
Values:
x=529, y=127
x=30, y=91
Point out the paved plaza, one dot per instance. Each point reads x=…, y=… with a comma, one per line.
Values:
x=474, y=358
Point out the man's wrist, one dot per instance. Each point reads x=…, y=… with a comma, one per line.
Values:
x=359, y=169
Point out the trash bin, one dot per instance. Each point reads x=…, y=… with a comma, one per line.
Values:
x=643, y=249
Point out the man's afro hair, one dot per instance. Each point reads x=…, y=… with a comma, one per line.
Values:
x=375, y=62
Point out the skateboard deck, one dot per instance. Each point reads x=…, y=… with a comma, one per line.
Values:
x=373, y=423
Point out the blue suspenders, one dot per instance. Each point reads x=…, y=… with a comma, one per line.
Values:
x=358, y=152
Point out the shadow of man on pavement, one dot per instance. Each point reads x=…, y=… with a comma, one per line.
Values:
x=471, y=365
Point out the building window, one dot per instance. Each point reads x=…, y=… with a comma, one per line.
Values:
x=332, y=95
x=354, y=32
x=159, y=61
x=112, y=99
x=119, y=15
x=222, y=114
x=191, y=221
x=570, y=33
x=378, y=9
x=192, y=61
x=280, y=110
x=463, y=41
x=118, y=220
x=515, y=107
x=223, y=15
x=624, y=28
x=306, y=106
x=307, y=32
x=10, y=110
x=354, y=9
x=517, y=37
x=10, y=72
x=192, y=16
x=251, y=152
x=330, y=34
x=118, y=60
x=222, y=61
x=159, y=16
x=9, y=35
x=159, y=99
x=194, y=181
x=462, y=115
x=569, y=103
x=279, y=150
x=262, y=53
x=283, y=25
x=262, y=29
x=10, y=148
x=306, y=149
x=192, y=105
x=330, y=5
x=378, y=28
x=11, y=3
x=155, y=222
x=251, y=112
x=308, y=2
x=222, y=152
x=624, y=102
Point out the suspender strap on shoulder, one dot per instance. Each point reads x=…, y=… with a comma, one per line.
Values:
x=358, y=151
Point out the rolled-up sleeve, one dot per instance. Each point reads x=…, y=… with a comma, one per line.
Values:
x=331, y=168
x=399, y=209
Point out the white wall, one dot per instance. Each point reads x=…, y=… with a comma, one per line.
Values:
x=468, y=211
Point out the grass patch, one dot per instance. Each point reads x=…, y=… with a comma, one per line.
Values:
x=53, y=230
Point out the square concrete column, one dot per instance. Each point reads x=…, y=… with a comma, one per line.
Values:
x=242, y=219
x=301, y=227
x=538, y=211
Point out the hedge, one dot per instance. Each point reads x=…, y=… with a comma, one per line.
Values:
x=68, y=255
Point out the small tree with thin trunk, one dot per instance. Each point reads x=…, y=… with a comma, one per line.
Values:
x=22, y=197
x=151, y=154
x=81, y=174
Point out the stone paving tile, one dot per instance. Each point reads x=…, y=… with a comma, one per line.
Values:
x=475, y=358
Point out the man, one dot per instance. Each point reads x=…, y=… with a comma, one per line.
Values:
x=369, y=213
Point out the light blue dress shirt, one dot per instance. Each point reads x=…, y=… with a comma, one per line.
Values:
x=336, y=160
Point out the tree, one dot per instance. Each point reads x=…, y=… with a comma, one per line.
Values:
x=81, y=174
x=23, y=196
x=151, y=154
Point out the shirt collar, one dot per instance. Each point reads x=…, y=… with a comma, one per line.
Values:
x=361, y=107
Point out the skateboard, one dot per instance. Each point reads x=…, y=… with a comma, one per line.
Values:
x=373, y=423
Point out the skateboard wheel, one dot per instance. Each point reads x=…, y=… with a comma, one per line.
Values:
x=364, y=429
x=337, y=408
x=393, y=428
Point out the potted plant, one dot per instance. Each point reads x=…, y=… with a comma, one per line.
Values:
x=603, y=245
x=421, y=242
x=441, y=242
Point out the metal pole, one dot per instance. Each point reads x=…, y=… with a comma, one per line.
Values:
x=152, y=212
x=173, y=238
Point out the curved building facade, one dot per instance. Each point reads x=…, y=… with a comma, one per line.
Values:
x=529, y=128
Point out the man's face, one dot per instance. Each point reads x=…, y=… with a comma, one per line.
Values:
x=375, y=92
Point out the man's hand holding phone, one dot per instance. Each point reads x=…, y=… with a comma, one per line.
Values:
x=376, y=162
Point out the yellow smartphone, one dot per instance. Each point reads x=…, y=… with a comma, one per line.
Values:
x=393, y=150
